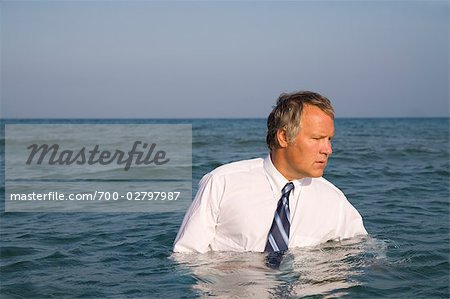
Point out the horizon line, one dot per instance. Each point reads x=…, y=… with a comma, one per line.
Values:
x=208, y=118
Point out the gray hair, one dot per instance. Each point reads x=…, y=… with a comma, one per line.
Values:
x=286, y=114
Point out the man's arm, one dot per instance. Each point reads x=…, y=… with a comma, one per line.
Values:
x=199, y=223
x=352, y=223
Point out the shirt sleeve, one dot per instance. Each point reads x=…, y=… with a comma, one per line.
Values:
x=352, y=223
x=198, y=227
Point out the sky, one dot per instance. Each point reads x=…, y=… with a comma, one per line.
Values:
x=221, y=59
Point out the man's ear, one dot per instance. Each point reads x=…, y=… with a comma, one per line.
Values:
x=281, y=138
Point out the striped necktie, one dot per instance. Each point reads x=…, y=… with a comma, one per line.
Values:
x=278, y=239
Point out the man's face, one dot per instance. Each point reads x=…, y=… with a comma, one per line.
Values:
x=308, y=153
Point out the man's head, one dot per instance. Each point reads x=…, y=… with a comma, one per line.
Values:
x=299, y=132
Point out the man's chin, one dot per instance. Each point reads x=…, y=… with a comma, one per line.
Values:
x=317, y=174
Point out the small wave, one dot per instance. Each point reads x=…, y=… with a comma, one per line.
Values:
x=15, y=251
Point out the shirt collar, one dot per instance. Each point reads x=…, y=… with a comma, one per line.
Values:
x=276, y=180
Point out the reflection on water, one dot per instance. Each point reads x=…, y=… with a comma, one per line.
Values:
x=328, y=269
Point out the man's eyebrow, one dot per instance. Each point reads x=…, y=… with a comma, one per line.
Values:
x=321, y=135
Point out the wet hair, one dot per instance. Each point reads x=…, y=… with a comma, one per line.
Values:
x=286, y=114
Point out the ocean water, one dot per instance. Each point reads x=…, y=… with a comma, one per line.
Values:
x=394, y=171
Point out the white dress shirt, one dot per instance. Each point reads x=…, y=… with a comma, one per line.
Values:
x=235, y=205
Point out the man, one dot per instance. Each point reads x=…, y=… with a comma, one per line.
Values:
x=276, y=203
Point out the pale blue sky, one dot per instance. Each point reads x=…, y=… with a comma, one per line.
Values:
x=167, y=59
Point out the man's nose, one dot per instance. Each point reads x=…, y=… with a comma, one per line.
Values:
x=327, y=148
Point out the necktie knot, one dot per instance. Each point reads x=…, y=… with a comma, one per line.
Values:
x=287, y=188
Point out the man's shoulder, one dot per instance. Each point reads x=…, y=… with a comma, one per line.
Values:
x=325, y=185
x=243, y=166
